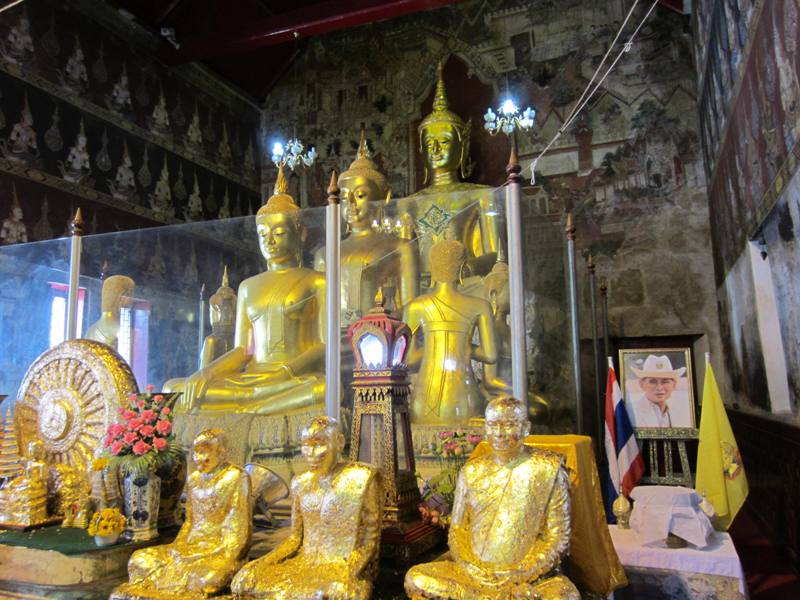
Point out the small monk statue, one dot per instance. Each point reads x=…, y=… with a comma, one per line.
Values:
x=370, y=259
x=332, y=550
x=23, y=500
x=510, y=524
x=449, y=208
x=116, y=293
x=446, y=389
x=213, y=541
x=222, y=314
x=277, y=360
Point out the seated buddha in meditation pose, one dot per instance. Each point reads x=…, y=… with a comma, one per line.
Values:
x=278, y=355
x=446, y=390
x=222, y=315
x=213, y=541
x=510, y=523
x=449, y=208
x=332, y=550
x=370, y=259
x=23, y=500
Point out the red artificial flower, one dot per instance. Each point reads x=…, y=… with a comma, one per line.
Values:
x=164, y=427
x=140, y=404
x=474, y=439
x=115, y=429
x=149, y=387
x=116, y=447
x=148, y=416
x=130, y=437
x=128, y=414
x=160, y=444
x=135, y=424
x=443, y=435
x=165, y=411
x=141, y=447
x=108, y=441
x=147, y=430
x=158, y=398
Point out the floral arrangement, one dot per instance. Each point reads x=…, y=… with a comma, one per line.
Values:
x=453, y=448
x=142, y=441
x=107, y=522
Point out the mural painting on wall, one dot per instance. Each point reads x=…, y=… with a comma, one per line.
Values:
x=634, y=159
x=86, y=121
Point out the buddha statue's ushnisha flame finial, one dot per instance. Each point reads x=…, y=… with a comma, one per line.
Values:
x=280, y=201
x=441, y=112
x=364, y=166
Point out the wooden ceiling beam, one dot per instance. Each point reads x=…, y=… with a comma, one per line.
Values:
x=325, y=17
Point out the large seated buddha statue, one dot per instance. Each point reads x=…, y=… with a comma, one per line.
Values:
x=213, y=541
x=510, y=524
x=332, y=550
x=446, y=389
x=449, y=208
x=370, y=259
x=277, y=360
x=116, y=293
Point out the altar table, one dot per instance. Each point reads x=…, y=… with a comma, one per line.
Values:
x=657, y=572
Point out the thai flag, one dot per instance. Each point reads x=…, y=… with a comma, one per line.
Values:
x=625, y=463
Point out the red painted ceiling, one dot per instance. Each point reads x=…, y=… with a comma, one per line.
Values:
x=252, y=43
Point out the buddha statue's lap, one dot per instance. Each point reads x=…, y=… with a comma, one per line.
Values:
x=276, y=363
x=213, y=541
x=516, y=555
x=332, y=549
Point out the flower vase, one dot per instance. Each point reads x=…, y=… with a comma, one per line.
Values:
x=142, y=495
x=106, y=540
x=173, y=478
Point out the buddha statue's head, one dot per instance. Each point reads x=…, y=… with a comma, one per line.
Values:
x=117, y=291
x=506, y=424
x=280, y=227
x=209, y=449
x=35, y=450
x=495, y=289
x=222, y=305
x=321, y=443
x=444, y=140
x=359, y=185
x=447, y=257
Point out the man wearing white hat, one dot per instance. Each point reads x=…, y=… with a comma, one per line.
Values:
x=658, y=380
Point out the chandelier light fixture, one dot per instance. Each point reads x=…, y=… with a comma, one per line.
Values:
x=292, y=154
x=508, y=118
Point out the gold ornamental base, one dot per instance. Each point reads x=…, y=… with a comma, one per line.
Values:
x=407, y=541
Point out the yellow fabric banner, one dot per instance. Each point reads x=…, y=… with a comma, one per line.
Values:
x=720, y=472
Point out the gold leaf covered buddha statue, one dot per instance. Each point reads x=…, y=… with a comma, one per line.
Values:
x=449, y=208
x=222, y=315
x=370, y=259
x=23, y=499
x=276, y=363
x=117, y=290
x=332, y=549
x=213, y=541
x=446, y=389
x=510, y=524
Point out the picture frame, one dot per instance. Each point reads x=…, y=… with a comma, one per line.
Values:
x=658, y=387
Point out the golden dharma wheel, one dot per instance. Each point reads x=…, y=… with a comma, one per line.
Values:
x=69, y=396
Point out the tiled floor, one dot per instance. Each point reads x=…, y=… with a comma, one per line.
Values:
x=769, y=573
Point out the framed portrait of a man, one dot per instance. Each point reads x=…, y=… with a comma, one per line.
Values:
x=658, y=387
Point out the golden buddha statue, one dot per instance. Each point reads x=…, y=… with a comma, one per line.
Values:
x=278, y=356
x=23, y=500
x=69, y=495
x=510, y=524
x=332, y=550
x=370, y=259
x=213, y=541
x=222, y=314
x=446, y=390
x=116, y=292
x=450, y=208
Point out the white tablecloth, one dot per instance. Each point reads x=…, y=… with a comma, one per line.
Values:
x=718, y=558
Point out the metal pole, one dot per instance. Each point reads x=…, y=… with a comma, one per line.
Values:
x=333, y=301
x=604, y=306
x=76, y=229
x=201, y=322
x=596, y=351
x=519, y=371
x=573, y=314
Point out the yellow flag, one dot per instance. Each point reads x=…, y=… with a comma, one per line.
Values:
x=720, y=472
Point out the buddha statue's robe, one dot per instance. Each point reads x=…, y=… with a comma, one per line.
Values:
x=209, y=548
x=23, y=500
x=510, y=528
x=333, y=546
